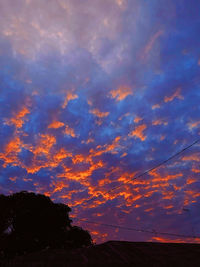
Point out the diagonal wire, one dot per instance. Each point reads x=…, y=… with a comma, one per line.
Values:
x=146, y=172
x=138, y=230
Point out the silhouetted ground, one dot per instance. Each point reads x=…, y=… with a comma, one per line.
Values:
x=114, y=253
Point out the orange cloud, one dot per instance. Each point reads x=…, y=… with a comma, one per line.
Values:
x=192, y=125
x=177, y=94
x=78, y=159
x=60, y=155
x=158, y=178
x=121, y=93
x=195, y=170
x=45, y=144
x=69, y=131
x=191, y=180
x=159, y=122
x=155, y=106
x=169, y=207
x=13, y=179
x=137, y=119
x=70, y=96
x=56, y=125
x=90, y=140
x=53, y=159
x=138, y=132
x=98, y=113
x=10, y=155
x=19, y=118
x=193, y=157
x=123, y=155
x=82, y=176
x=169, y=240
x=106, y=148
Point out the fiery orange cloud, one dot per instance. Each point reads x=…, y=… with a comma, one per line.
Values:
x=126, y=176
x=192, y=193
x=106, y=148
x=70, y=96
x=103, y=182
x=191, y=180
x=190, y=196
x=82, y=176
x=193, y=157
x=158, y=178
x=98, y=113
x=69, y=131
x=167, y=194
x=177, y=94
x=138, y=132
x=19, y=118
x=45, y=144
x=53, y=158
x=11, y=151
x=56, y=125
x=121, y=93
x=78, y=158
x=195, y=170
x=60, y=155
x=137, y=119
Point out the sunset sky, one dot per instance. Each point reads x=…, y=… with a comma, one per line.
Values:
x=94, y=92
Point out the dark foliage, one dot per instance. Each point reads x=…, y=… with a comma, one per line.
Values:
x=31, y=222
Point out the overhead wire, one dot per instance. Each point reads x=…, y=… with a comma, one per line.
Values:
x=136, y=177
x=139, y=230
x=146, y=172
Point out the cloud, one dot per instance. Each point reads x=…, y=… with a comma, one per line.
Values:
x=18, y=119
x=138, y=132
x=99, y=113
x=155, y=106
x=177, y=94
x=70, y=96
x=56, y=125
x=147, y=49
x=121, y=93
x=69, y=131
x=137, y=119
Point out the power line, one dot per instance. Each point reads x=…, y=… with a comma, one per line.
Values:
x=138, y=230
x=147, y=171
x=138, y=176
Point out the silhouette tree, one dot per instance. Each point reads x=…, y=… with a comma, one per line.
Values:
x=31, y=222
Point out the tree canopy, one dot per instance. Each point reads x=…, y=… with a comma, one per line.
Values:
x=31, y=222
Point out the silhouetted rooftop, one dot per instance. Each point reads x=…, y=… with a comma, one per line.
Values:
x=115, y=253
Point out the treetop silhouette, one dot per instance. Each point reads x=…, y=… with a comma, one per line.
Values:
x=31, y=222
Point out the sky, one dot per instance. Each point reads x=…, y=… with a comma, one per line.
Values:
x=95, y=92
